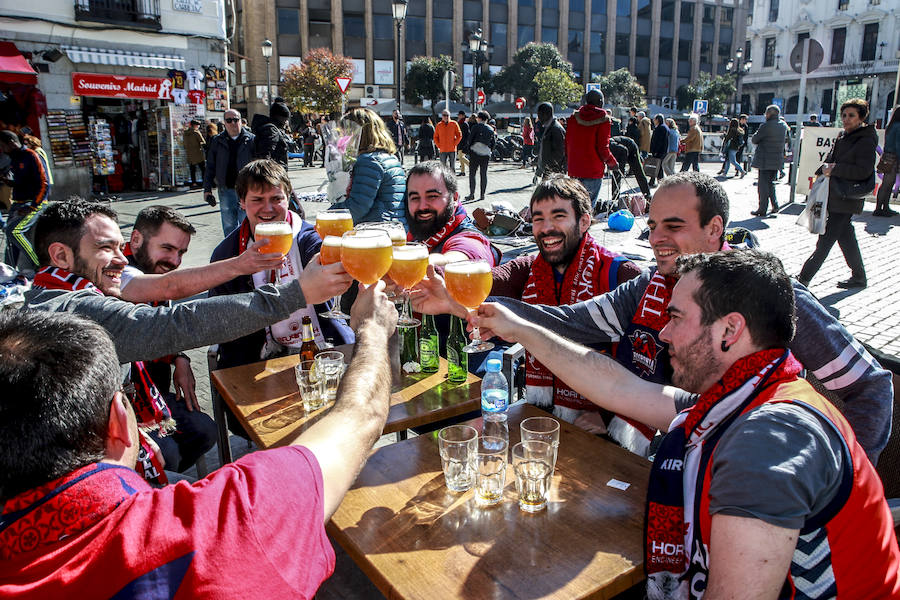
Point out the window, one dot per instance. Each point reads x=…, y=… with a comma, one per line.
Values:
x=870, y=41
x=415, y=29
x=642, y=46
x=576, y=41
x=442, y=30
x=747, y=47
x=769, y=57
x=354, y=26
x=773, y=11
x=498, y=34
x=827, y=100
x=288, y=21
x=576, y=5
x=549, y=35
x=705, y=52
x=666, y=46
x=684, y=49
x=550, y=4
x=802, y=36
x=382, y=27
x=623, y=8
x=727, y=16
x=724, y=52
x=598, y=7
x=843, y=4
x=526, y=2
x=667, y=10
x=687, y=12
x=764, y=101
x=319, y=34
x=622, y=44
x=526, y=34
x=597, y=42
x=838, y=38
x=709, y=15
x=499, y=12
x=644, y=9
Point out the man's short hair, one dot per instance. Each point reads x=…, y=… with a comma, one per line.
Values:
x=594, y=98
x=150, y=219
x=659, y=118
x=565, y=187
x=432, y=168
x=58, y=373
x=748, y=282
x=773, y=109
x=484, y=115
x=462, y=112
x=259, y=173
x=641, y=114
x=64, y=222
x=713, y=199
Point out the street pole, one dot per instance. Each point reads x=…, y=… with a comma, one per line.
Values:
x=795, y=162
x=268, y=82
x=399, y=76
x=474, y=79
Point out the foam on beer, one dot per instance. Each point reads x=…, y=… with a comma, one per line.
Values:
x=410, y=252
x=327, y=215
x=332, y=240
x=468, y=267
x=273, y=228
x=366, y=240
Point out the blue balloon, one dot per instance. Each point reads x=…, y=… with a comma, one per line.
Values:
x=621, y=220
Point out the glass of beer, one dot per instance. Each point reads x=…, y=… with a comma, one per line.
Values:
x=395, y=230
x=366, y=254
x=335, y=221
x=532, y=466
x=408, y=268
x=469, y=282
x=490, y=470
x=279, y=238
x=329, y=253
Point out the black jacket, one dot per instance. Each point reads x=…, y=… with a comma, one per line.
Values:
x=464, y=142
x=553, y=148
x=217, y=158
x=481, y=132
x=853, y=155
x=659, y=142
x=633, y=132
x=271, y=141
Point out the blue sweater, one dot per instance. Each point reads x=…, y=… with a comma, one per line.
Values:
x=674, y=138
x=377, y=189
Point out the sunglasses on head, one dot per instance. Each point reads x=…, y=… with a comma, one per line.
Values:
x=232, y=120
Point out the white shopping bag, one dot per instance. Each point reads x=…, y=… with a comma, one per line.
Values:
x=815, y=214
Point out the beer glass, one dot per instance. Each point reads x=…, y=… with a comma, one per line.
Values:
x=542, y=429
x=335, y=221
x=329, y=253
x=309, y=385
x=394, y=229
x=532, y=466
x=458, y=445
x=366, y=254
x=469, y=282
x=410, y=262
x=279, y=238
x=490, y=470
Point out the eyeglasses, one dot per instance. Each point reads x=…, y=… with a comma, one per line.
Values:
x=448, y=116
x=232, y=120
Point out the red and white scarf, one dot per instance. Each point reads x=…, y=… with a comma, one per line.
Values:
x=287, y=333
x=459, y=215
x=149, y=406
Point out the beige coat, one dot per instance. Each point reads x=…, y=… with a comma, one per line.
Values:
x=693, y=141
x=644, y=128
x=193, y=146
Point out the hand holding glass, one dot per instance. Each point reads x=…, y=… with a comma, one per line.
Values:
x=469, y=282
x=279, y=238
x=330, y=253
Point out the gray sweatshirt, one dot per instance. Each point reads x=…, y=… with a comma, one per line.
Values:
x=822, y=345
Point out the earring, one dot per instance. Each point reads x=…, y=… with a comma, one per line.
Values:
x=724, y=346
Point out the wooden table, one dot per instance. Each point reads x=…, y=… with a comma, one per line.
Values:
x=415, y=539
x=264, y=398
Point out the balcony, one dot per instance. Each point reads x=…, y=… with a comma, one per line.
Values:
x=137, y=14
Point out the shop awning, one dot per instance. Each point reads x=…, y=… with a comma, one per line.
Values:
x=13, y=66
x=123, y=58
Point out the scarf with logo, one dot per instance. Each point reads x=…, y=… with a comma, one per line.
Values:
x=459, y=215
x=287, y=333
x=149, y=406
x=583, y=280
x=671, y=534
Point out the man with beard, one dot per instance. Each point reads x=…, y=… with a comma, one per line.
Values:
x=688, y=215
x=570, y=266
x=436, y=217
x=159, y=239
x=760, y=485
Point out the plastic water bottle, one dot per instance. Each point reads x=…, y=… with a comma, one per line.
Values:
x=495, y=401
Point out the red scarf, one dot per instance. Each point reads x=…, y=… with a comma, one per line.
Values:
x=458, y=217
x=64, y=507
x=583, y=280
x=149, y=406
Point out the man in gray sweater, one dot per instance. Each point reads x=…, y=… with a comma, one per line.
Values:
x=768, y=158
x=688, y=215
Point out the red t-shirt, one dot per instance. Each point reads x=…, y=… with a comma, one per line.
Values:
x=252, y=529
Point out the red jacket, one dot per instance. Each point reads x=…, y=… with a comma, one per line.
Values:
x=587, y=143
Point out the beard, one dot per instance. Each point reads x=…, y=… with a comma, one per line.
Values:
x=147, y=265
x=564, y=252
x=424, y=230
x=695, y=362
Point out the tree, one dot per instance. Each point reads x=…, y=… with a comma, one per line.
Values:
x=310, y=86
x=425, y=80
x=621, y=88
x=718, y=90
x=557, y=87
x=519, y=77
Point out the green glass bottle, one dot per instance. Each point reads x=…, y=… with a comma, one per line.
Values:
x=409, y=346
x=457, y=360
x=428, y=345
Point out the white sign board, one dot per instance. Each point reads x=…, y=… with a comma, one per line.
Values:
x=592, y=86
x=191, y=6
x=701, y=107
x=384, y=72
x=815, y=144
x=359, y=70
x=467, y=76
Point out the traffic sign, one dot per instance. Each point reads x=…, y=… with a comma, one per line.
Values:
x=592, y=86
x=701, y=107
x=520, y=103
x=343, y=83
x=480, y=97
x=815, y=56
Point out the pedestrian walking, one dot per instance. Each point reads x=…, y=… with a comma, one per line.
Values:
x=462, y=151
x=308, y=135
x=30, y=185
x=552, y=152
x=587, y=145
x=693, y=145
x=668, y=163
x=659, y=145
x=644, y=127
x=398, y=133
x=730, y=146
x=768, y=157
x=194, y=149
x=527, y=141
x=228, y=152
x=426, y=140
x=447, y=136
x=481, y=144
x=890, y=157
x=850, y=168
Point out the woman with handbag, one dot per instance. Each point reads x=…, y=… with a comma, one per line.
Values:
x=850, y=168
x=888, y=166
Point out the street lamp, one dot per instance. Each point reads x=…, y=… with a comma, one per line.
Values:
x=266, y=48
x=398, y=7
x=738, y=67
x=480, y=50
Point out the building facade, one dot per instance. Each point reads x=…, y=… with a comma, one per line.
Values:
x=665, y=43
x=861, y=46
x=104, y=73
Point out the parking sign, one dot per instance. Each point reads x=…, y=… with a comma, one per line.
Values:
x=701, y=107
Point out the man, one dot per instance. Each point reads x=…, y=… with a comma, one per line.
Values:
x=194, y=146
x=768, y=158
x=228, y=153
x=659, y=145
x=570, y=266
x=553, y=142
x=78, y=522
x=447, y=136
x=272, y=140
x=693, y=145
x=160, y=238
x=644, y=129
x=814, y=121
x=436, y=217
x=30, y=186
x=462, y=150
x=587, y=145
x=688, y=215
x=308, y=135
x=745, y=126
x=760, y=488
x=626, y=151
x=398, y=133
x=481, y=142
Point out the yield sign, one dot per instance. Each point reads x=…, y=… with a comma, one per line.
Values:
x=343, y=83
x=480, y=97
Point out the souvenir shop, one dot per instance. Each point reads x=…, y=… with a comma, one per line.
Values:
x=21, y=102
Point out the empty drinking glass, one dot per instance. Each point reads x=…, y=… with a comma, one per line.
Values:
x=309, y=385
x=490, y=470
x=458, y=445
x=543, y=429
x=330, y=366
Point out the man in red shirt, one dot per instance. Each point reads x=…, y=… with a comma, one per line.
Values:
x=587, y=145
x=78, y=521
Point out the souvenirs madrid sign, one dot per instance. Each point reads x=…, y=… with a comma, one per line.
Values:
x=121, y=86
